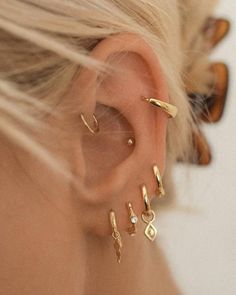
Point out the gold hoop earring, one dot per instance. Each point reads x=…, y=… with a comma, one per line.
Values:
x=132, y=229
x=96, y=124
x=168, y=108
x=148, y=216
x=157, y=174
x=116, y=236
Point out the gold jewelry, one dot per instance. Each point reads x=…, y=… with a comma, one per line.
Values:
x=116, y=236
x=168, y=108
x=160, y=189
x=96, y=124
x=130, y=141
x=148, y=216
x=132, y=229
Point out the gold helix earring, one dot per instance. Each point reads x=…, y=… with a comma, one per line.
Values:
x=168, y=108
x=148, y=216
x=132, y=229
x=96, y=124
x=157, y=174
x=116, y=236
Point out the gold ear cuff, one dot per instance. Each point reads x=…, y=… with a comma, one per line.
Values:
x=96, y=124
x=168, y=108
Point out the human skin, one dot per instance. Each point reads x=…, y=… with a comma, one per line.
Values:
x=56, y=238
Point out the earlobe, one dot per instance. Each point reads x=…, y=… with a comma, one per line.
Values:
x=114, y=169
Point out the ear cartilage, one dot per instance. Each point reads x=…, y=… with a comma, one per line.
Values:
x=96, y=124
x=168, y=108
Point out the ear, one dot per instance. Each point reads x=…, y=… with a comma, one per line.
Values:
x=112, y=171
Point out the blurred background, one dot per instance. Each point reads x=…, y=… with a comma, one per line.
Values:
x=198, y=236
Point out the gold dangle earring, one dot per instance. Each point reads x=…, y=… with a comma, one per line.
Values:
x=157, y=174
x=132, y=229
x=168, y=108
x=116, y=236
x=96, y=124
x=148, y=216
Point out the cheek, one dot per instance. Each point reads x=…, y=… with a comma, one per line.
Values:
x=38, y=249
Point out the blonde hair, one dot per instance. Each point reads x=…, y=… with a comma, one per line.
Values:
x=45, y=43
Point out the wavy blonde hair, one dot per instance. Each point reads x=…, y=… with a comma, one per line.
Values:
x=45, y=43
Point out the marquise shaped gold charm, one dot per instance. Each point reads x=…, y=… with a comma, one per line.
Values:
x=150, y=231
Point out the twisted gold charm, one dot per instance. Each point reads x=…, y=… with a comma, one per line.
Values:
x=116, y=236
x=148, y=216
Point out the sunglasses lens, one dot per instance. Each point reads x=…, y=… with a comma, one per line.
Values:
x=203, y=152
x=215, y=30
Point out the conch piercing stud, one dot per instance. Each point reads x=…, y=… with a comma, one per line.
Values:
x=116, y=236
x=131, y=141
x=160, y=188
x=132, y=229
x=168, y=108
x=148, y=216
x=96, y=124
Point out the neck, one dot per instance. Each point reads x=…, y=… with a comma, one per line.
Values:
x=143, y=269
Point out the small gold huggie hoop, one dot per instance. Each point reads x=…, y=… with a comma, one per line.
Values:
x=148, y=216
x=132, y=229
x=96, y=124
x=157, y=174
x=146, y=199
x=168, y=108
x=116, y=236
